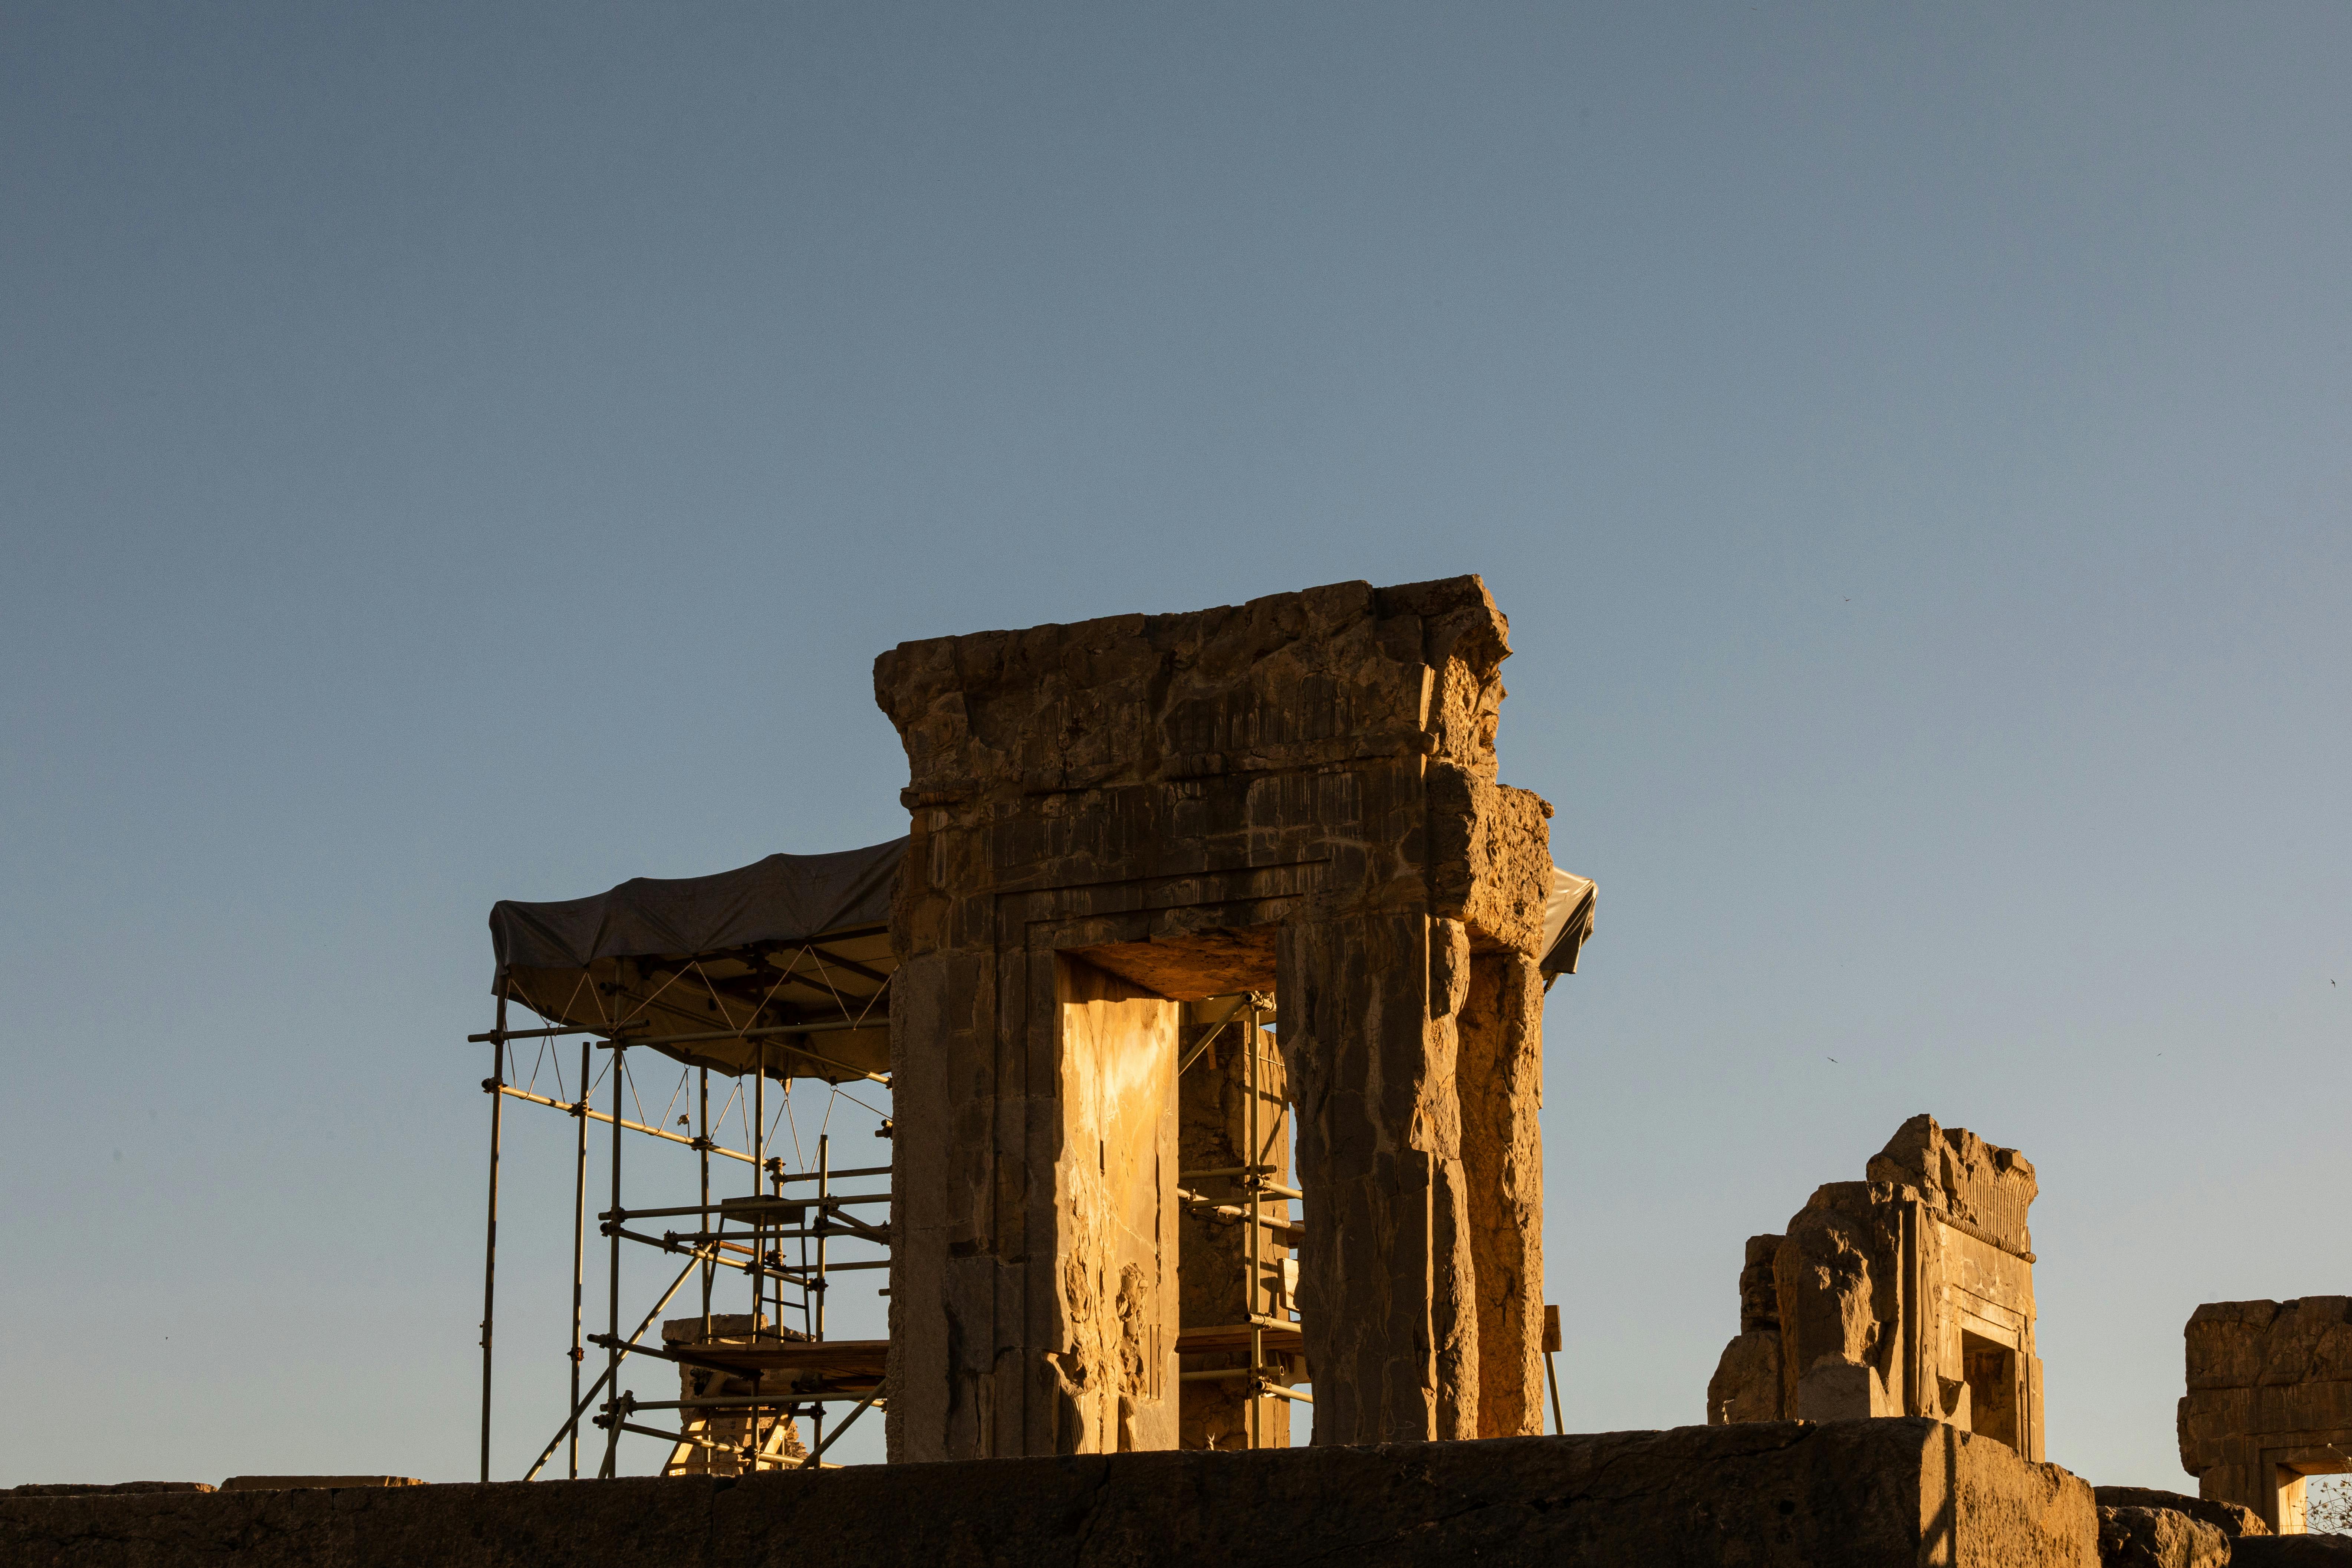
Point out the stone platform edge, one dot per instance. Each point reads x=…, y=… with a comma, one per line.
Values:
x=1764, y=1495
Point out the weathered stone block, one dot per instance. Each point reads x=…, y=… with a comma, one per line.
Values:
x=2268, y=1402
x=2310, y=1340
x=1747, y=1382
x=2158, y=1538
x=1839, y=1271
x=1760, y=1290
x=2228, y=1518
x=2226, y=1340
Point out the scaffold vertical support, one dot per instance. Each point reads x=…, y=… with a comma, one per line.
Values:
x=579, y=1248
x=611, y=1467
x=491, y=1239
x=702, y=1148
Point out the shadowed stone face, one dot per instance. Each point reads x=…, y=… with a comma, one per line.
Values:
x=1776, y=1495
x=1297, y=794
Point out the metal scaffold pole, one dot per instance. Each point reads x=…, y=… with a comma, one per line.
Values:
x=579, y=1249
x=702, y=1148
x=1254, y=1183
x=490, y=1242
x=759, y=1221
x=824, y=1219
x=612, y=1352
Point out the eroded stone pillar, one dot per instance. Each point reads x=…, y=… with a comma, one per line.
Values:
x=1500, y=1070
x=1391, y=1324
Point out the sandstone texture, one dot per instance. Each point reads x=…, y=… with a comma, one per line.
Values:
x=2268, y=1402
x=1297, y=794
x=1910, y=1293
x=1877, y=1494
x=2158, y=1538
x=312, y=1483
x=2229, y=1517
x=104, y=1489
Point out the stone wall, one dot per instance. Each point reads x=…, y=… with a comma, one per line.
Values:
x=2268, y=1402
x=1879, y=1494
x=1298, y=795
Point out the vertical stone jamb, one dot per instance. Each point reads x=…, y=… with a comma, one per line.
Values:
x=1501, y=1074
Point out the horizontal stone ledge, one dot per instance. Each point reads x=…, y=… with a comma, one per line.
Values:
x=1765, y=1495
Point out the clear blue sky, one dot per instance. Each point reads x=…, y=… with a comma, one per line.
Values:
x=451, y=452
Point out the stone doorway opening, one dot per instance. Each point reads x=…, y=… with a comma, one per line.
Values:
x=2314, y=1493
x=1990, y=1369
x=1240, y=1346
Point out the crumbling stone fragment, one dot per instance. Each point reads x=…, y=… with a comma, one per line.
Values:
x=1907, y=1294
x=1963, y=1176
x=2158, y=1538
x=2229, y=1517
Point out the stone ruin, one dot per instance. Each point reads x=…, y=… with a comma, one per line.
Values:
x=1908, y=1293
x=2268, y=1402
x=1294, y=800
x=1176, y=887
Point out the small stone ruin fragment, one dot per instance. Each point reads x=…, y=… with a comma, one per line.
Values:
x=1909, y=1293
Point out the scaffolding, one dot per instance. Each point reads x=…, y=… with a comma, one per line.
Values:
x=774, y=973
x=1269, y=1334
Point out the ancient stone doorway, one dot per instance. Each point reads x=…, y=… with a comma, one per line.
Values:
x=2293, y=1500
x=1236, y=1327
x=1306, y=784
x=1990, y=1370
x=2269, y=1405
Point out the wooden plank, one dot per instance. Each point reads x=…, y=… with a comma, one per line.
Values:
x=828, y=1358
x=1228, y=1337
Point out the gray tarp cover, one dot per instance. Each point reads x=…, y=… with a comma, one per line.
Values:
x=793, y=898
x=784, y=897
x=1568, y=921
